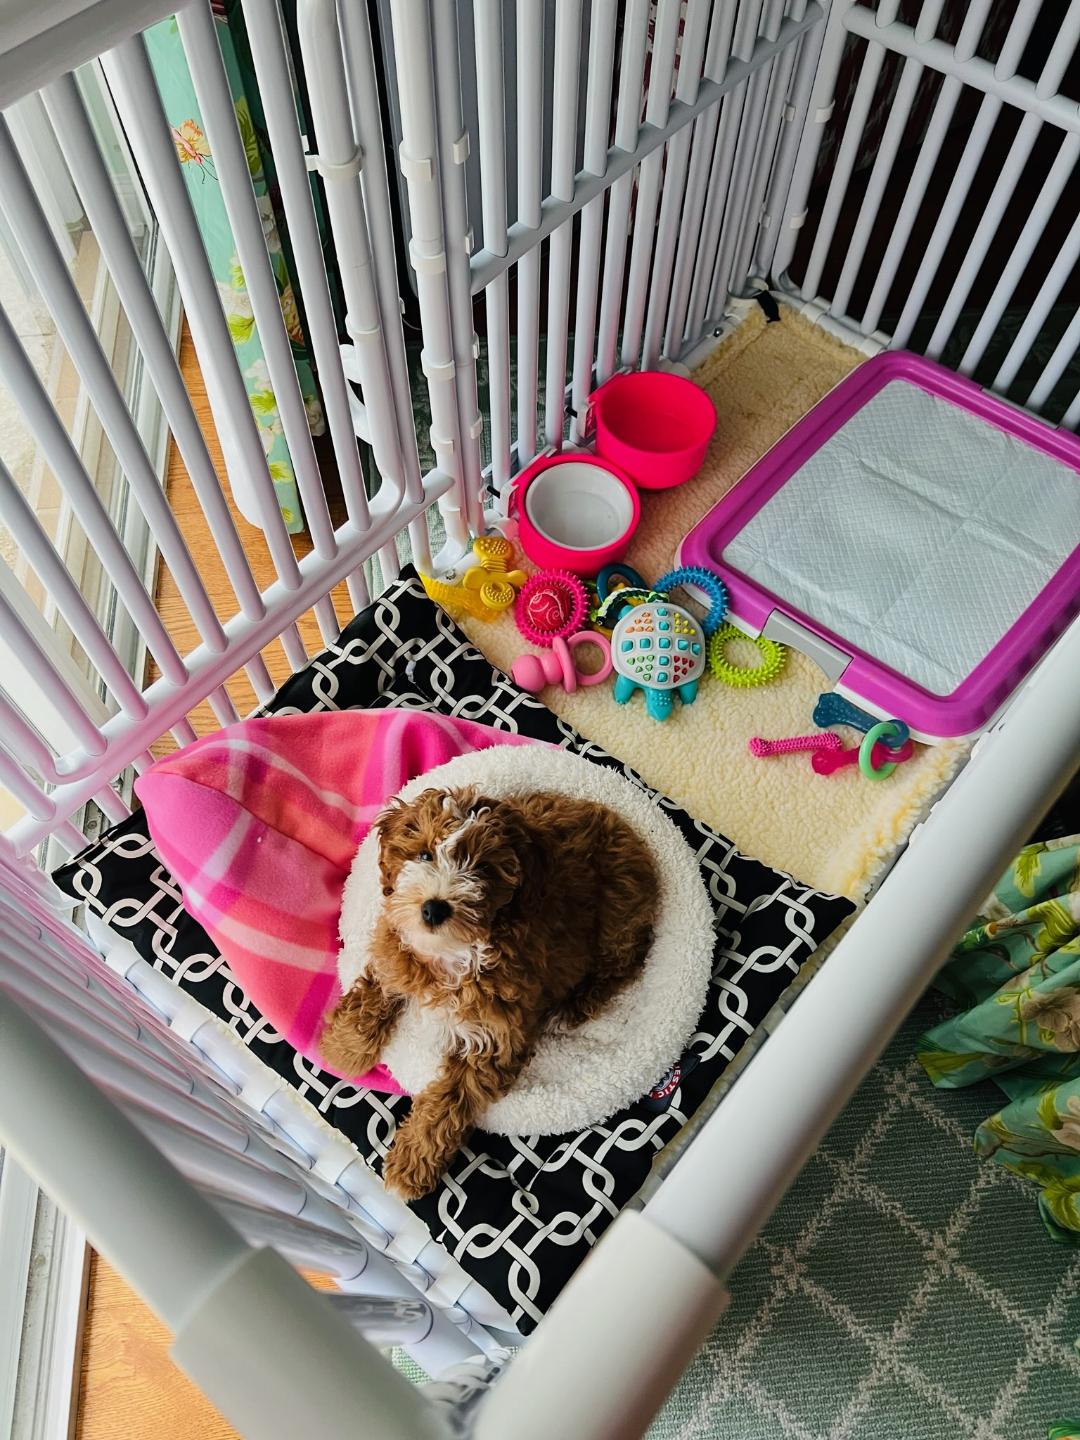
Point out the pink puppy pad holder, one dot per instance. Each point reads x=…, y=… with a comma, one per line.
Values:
x=260, y=824
x=913, y=534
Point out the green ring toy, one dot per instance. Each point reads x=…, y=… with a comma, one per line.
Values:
x=884, y=730
x=744, y=677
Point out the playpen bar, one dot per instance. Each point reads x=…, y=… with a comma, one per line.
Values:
x=597, y=123
x=419, y=161
x=132, y=85
x=321, y=46
x=819, y=106
x=53, y=687
x=24, y=743
x=657, y=110
x=1055, y=366
x=595, y=1339
x=758, y=137
x=1050, y=291
x=488, y=37
x=453, y=149
x=63, y=459
x=168, y=703
x=530, y=156
x=362, y=82
x=70, y=837
x=723, y=160
x=279, y=109
x=554, y=213
x=899, y=109
x=323, y=1204
x=755, y=216
x=33, y=543
x=63, y=1129
x=54, y=281
x=673, y=191
x=302, y=1241
x=199, y=38
x=704, y=140
x=568, y=43
x=223, y=1301
x=1021, y=252
x=929, y=153
x=1039, y=99
x=627, y=133
x=13, y=777
x=846, y=155
x=1052, y=72
x=1004, y=186
x=223, y=708
x=111, y=805
x=75, y=137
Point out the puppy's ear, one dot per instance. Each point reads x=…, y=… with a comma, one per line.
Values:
x=500, y=843
x=391, y=824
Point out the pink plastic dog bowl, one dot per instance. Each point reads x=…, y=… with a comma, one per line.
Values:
x=656, y=426
x=575, y=511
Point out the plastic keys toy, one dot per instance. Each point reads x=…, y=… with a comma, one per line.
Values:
x=533, y=672
x=828, y=741
x=884, y=760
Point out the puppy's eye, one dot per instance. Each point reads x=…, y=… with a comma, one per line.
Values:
x=424, y=855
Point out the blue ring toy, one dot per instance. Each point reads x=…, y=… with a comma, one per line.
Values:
x=625, y=572
x=704, y=580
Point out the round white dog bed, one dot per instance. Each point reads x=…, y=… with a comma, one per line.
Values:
x=579, y=1077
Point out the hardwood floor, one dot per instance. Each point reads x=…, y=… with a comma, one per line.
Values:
x=129, y=1387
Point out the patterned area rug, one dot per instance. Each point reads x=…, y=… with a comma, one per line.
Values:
x=904, y=1290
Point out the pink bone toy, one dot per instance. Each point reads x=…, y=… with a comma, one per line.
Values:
x=533, y=672
x=825, y=762
x=828, y=741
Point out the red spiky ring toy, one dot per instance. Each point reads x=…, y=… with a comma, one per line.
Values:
x=550, y=606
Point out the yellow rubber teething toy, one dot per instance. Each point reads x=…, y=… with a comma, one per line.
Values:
x=487, y=588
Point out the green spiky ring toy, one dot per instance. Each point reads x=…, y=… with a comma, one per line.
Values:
x=743, y=677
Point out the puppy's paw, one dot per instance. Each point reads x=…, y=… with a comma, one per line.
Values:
x=344, y=1046
x=412, y=1168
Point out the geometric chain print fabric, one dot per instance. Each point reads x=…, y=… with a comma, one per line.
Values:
x=518, y=1213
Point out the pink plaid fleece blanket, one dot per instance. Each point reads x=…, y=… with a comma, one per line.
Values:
x=260, y=822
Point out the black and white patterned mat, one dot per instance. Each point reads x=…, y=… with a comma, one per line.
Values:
x=519, y=1214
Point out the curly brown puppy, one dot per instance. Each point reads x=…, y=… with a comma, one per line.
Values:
x=508, y=916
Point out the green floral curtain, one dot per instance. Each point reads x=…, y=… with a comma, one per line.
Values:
x=1017, y=973
x=197, y=164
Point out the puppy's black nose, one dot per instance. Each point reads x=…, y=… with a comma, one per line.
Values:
x=435, y=912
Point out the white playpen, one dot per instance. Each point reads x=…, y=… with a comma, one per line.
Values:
x=703, y=122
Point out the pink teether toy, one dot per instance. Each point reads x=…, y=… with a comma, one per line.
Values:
x=828, y=741
x=825, y=762
x=550, y=606
x=533, y=672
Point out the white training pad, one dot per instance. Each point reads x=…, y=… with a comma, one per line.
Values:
x=918, y=533
x=578, y=1077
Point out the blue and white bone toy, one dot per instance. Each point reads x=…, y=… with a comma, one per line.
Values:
x=658, y=648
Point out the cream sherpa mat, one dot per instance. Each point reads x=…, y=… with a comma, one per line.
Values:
x=578, y=1077
x=834, y=832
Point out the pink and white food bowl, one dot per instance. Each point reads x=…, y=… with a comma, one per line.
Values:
x=654, y=425
x=575, y=511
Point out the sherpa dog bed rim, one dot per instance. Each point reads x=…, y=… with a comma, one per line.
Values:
x=579, y=1077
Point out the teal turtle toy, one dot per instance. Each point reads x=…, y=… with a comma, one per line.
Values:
x=658, y=648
